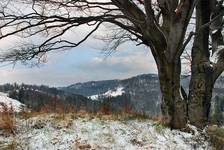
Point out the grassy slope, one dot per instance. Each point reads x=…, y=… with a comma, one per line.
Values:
x=87, y=131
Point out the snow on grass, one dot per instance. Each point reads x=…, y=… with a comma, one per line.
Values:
x=15, y=104
x=46, y=133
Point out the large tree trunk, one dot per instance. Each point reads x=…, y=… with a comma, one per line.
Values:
x=201, y=85
x=200, y=95
x=173, y=104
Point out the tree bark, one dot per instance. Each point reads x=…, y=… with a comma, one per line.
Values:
x=173, y=104
x=200, y=95
x=201, y=84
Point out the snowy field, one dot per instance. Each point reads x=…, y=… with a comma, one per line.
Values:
x=49, y=132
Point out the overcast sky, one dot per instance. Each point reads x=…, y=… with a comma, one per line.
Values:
x=81, y=64
x=84, y=63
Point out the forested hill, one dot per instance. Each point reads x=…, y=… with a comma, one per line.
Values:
x=144, y=92
x=141, y=93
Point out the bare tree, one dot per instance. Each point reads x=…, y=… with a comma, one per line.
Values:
x=160, y=25
x=205, y=70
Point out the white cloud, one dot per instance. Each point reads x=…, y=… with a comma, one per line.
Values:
x=57, y=72
x=128, y=61
x=124, y=64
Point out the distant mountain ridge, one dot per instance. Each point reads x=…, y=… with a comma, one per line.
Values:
x=142, y=90
x=91, y=87
x=141, y=93
x=99, y=87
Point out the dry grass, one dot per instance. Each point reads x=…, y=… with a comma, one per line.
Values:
x=216, y=135
x=7, y=119
x=126, y=114
x=9, y=146
x=57, y=108
x=63, y=116
x=81, y=145
x=105, y=109
x=158, y=119
x=70, y=113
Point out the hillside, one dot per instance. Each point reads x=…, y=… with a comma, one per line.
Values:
x=140, y=93
x=143, y=92
x=50, y=132
x=10, y=103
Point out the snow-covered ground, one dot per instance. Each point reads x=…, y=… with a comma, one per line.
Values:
x=74, y=133
x=10, y=103
x=110, y=93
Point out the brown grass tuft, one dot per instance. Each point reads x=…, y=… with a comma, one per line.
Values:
x=7, y=119
x=81, y=145
x=61, y=112
x=105, y=110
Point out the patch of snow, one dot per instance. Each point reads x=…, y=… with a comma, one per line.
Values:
x=118, y=92
x=214, y=57
x=214, y=31
x=10, y=103
x=94, y=97
x=111, y=93
x=105, y=134
x=211, y=65
x=181, y=94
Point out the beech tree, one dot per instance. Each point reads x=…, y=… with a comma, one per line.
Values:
x=161, y=25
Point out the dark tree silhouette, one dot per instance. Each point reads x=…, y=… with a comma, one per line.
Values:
x=160, y=25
